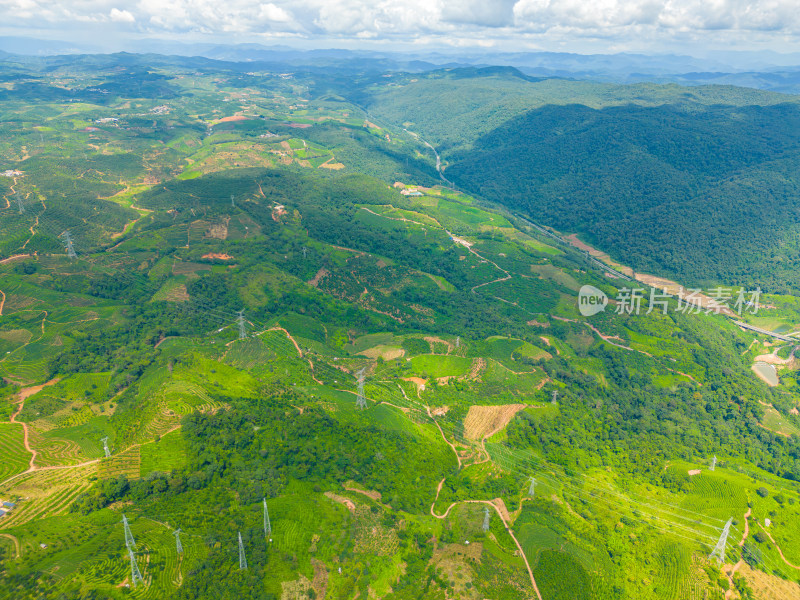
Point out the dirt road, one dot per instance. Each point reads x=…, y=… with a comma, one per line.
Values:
x=506, y=524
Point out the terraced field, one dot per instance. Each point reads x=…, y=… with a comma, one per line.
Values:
x=55, y=450
x=12, y=449
x=46, y=492
x=126, y=463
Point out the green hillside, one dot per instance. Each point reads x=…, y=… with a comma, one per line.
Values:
x=325, y=387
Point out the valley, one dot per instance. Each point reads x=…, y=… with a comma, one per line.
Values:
x=304, y=346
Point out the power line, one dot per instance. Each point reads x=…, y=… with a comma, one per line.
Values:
x=502, y=449
x=612, y=505
x=616, y=506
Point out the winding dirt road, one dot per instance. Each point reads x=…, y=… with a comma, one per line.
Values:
x=506, y=524
x=24, y=393
x=778, y=548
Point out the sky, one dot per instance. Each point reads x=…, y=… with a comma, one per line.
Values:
x=582, y=26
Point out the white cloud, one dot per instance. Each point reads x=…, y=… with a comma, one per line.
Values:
x=616, y=21
x=121, y=16
x=270, y=12
x=667, y=15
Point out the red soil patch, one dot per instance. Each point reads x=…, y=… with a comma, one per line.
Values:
x=233, y=118
x=535, y=323
x=277, y=212
x=30, y=391
x=218, y=256
x=299, y=125
x=573, y=239
x=342, y=500
x=318, y=277
x=369, y=493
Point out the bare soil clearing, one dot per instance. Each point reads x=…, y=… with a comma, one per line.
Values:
x=321, y=274
x=369, y=493
x=769, y=587
x=25, y=393
x=342, y=500
x=484, y=421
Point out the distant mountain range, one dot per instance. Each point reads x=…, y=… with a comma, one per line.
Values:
x=761, y=70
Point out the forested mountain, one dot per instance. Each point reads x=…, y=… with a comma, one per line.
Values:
x=696, y=184
x=253, y=346
x=704, y=195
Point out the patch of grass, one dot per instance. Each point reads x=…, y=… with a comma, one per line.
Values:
x=774, y=421
x=164, y=455
x=436, y=365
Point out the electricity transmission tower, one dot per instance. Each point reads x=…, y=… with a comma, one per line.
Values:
x=554, y=398
x=532, y=487
x=20, y=204
x=361, y=401
x=458, y=341
x=485, y=519
x=267, y=524
x=105, y=447
x=713, y=463
x=233, y=204
x=135, y=573
x=68, y=242
x=129, y=541
x=305, y=252
x=242, y=559
x=178, y=541
x=131, y=545
x=242, y=325
x=719, y=549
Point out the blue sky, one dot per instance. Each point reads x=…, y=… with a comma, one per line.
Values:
x=607, y=26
